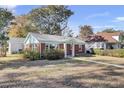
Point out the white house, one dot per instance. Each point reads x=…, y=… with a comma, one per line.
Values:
x=104, y=40
x=95, y=41
x=15, y=45
x=113, y=39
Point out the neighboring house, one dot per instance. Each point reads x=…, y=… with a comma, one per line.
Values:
x=104, y=40
x=113, y=39
x=94, y=41
x=41, y=42
x=15, y=45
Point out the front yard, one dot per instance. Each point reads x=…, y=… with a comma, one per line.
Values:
x=60, y=73
x=106, y=59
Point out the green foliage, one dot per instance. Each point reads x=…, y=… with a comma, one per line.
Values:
x=32, y=55
x=54, y=54
x=5, y=18
x=110, y=52
x=85, y=31
x=97, y=51
x=111, y=30
x=51, y=19
x=121, y=38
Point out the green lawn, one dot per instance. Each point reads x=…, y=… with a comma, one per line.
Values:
x=60, y=73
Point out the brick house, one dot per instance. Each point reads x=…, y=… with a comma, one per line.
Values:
x=40, y=42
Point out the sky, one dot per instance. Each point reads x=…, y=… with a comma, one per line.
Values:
x=98, y=16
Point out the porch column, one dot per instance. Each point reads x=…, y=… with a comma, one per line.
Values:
x=104, y=46
x=40, y=49
x=73, y=50
x=48, y=46
x=65, y=50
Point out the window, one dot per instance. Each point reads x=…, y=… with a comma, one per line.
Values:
x=46, y=46
x=53, y=46
x=50, y=46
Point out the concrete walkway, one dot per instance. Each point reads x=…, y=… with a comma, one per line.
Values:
x=100, y=62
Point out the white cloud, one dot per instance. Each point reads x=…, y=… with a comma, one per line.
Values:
x=98, y=15
x=11, y=8
x=119, y=19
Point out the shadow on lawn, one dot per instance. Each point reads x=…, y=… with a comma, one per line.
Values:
x=40, y=63
x=104, y=78
x=107, y=76
x=87, y=79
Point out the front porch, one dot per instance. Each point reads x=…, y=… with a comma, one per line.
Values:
x=71, y=50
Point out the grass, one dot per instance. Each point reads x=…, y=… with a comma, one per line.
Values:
x=106, y=59
x=12, y=57
x=60, y=73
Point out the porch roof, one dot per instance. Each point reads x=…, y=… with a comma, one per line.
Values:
x=56, y=39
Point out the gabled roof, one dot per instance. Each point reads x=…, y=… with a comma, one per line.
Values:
x=55, y=38
x=109, y=36
x=95, y=38
x=16, y=40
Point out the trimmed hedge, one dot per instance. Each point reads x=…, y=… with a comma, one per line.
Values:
x=32, y=55
x=54, y=54
x=110, y=52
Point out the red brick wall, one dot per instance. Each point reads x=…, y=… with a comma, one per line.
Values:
x=61, y=46
x=29, y=47
x=76, y=49
x=69, y=49
x=42, y=47
x=79, y=49
x=83, y=48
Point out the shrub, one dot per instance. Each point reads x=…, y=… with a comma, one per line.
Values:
x=97, y=51
x=110, y=52
x=32, y=55
x=54, y=54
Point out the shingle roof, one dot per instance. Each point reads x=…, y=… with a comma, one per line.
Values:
x=55, y=38
x=95, y=38
x=108, y=36
x=16, y=40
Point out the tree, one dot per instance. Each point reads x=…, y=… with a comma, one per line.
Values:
x=51, y=19
x=85, y=31
x=21, y=26
x=5, y=18
x=110, y=30
x=67, y=32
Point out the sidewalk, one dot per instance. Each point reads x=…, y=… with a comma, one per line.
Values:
x=99, y=62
